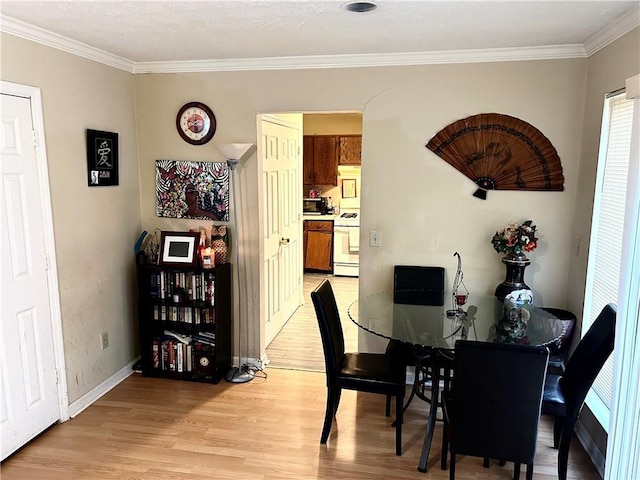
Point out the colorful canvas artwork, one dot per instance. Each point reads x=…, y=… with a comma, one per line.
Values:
x=187, y=189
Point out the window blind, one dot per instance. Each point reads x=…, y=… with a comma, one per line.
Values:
x=605, y=253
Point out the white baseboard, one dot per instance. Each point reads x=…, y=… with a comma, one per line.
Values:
x=88, y=398
x=258, y=362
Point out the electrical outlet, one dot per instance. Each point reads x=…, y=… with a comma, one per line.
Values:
x=104, y=340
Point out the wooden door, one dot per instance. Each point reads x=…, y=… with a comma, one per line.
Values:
x=282, y=228
x=29, y=401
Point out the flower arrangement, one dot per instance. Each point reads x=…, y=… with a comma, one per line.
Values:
x=516, y=238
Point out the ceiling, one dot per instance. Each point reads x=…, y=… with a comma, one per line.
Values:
x=298, y=34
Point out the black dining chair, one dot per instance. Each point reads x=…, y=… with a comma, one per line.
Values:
x=559, y=351
x=364, y=372
x=415, y=285
x=493, y=407
x=564, y=394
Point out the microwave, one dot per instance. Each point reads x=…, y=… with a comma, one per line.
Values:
x=314, y=206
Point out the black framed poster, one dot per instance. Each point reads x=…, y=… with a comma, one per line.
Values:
x=102, y=158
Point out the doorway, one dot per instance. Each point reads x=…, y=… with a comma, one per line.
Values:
x=298, y=344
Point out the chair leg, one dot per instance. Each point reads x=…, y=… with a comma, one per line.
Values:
x=516, y=471
x=563, y=448
x=332, y=393
x=387, y=408
x=529, y=471
x=485, y=462
x=399, y=411
x=445, y=445
x=337, y=400
x=558, y=423
x=452, y=467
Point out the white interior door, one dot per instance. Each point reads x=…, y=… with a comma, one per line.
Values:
x=282, y=228
x=29, y=401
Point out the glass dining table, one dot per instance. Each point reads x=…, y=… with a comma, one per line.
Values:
x=433, y=330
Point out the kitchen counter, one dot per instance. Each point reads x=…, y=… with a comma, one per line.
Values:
x=329, y=218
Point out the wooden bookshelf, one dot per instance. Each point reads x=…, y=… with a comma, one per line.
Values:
x=184, y=320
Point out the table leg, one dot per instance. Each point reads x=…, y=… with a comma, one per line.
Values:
x=433, y=411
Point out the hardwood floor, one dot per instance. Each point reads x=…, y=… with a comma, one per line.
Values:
x=269, y=429
x=298, y=345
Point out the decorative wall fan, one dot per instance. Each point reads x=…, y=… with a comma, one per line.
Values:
x=499, y=152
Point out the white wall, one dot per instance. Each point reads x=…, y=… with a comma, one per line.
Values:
x=423, y=207
x=95, y=228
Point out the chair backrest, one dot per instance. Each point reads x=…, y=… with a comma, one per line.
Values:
x=324, y=302
x=569, y=321
x=418, y=285
x=588, y=358
x=497, y=397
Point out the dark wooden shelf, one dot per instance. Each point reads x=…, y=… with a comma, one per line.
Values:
x=204, y=306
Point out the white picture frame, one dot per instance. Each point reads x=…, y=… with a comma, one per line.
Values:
x=178, y=249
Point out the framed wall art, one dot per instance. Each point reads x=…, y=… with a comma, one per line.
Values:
x=102, y=158
x=178, y=249
x=192, y=190
x=349, y=188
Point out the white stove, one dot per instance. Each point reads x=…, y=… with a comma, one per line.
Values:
x=347, y=219
x=346, y=239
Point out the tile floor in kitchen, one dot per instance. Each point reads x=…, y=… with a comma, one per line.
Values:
x=298, y=345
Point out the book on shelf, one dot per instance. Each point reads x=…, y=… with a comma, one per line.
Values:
x=189, y=358
x=155, y=355
x=179, y=357
x=182, y=338
x=195, y=286
x=204, y=339
x=172, y=354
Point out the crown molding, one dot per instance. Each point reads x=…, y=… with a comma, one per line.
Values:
x=39, y=35
x=616, y=29
x=365, y=60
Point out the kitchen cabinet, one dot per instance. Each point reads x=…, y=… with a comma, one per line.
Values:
x=320, y=160
x=318, y=245
x=350, y=149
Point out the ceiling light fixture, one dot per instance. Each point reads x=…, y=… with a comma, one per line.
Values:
x=359, y=7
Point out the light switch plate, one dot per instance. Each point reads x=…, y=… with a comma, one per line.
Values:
x=375, y=238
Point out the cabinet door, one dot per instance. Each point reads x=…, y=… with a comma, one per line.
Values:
x=320, y=226
x=319, y=245
x=307, y=160
x=305, y=235
x=350, y=150
x=325, y=160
